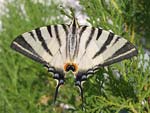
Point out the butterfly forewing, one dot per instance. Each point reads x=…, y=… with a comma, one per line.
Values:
x=43, y=44
x=99, y=47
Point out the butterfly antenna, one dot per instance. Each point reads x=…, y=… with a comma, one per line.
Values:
x=72, y=12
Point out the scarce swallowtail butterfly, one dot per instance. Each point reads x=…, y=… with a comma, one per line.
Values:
x=76, y=48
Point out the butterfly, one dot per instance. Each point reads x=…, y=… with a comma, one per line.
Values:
x=74, y=48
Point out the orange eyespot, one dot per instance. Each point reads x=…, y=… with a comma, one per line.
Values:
x=76, y=67
x=70, y=66
x=65, y=66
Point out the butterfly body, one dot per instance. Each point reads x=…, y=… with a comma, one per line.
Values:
x=79, y=49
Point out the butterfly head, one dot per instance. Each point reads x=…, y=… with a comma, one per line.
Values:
x=74, y=24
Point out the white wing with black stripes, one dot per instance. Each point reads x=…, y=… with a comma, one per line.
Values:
x=79, y=49
x=44, y=44
x=99, y=47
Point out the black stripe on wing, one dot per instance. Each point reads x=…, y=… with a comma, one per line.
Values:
x=49, y=30
x=116, y=40
x=81, y=32
x=57, y=34
x=99, y=33
x=109, y=62
x=125, y=52
x=127, y=56
x=90, y=37
x=65, y=28
x=23, y=43
x=127, y=47
x=32, y=35
x=44, y=45
x=104, y=47
x=20, y=45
